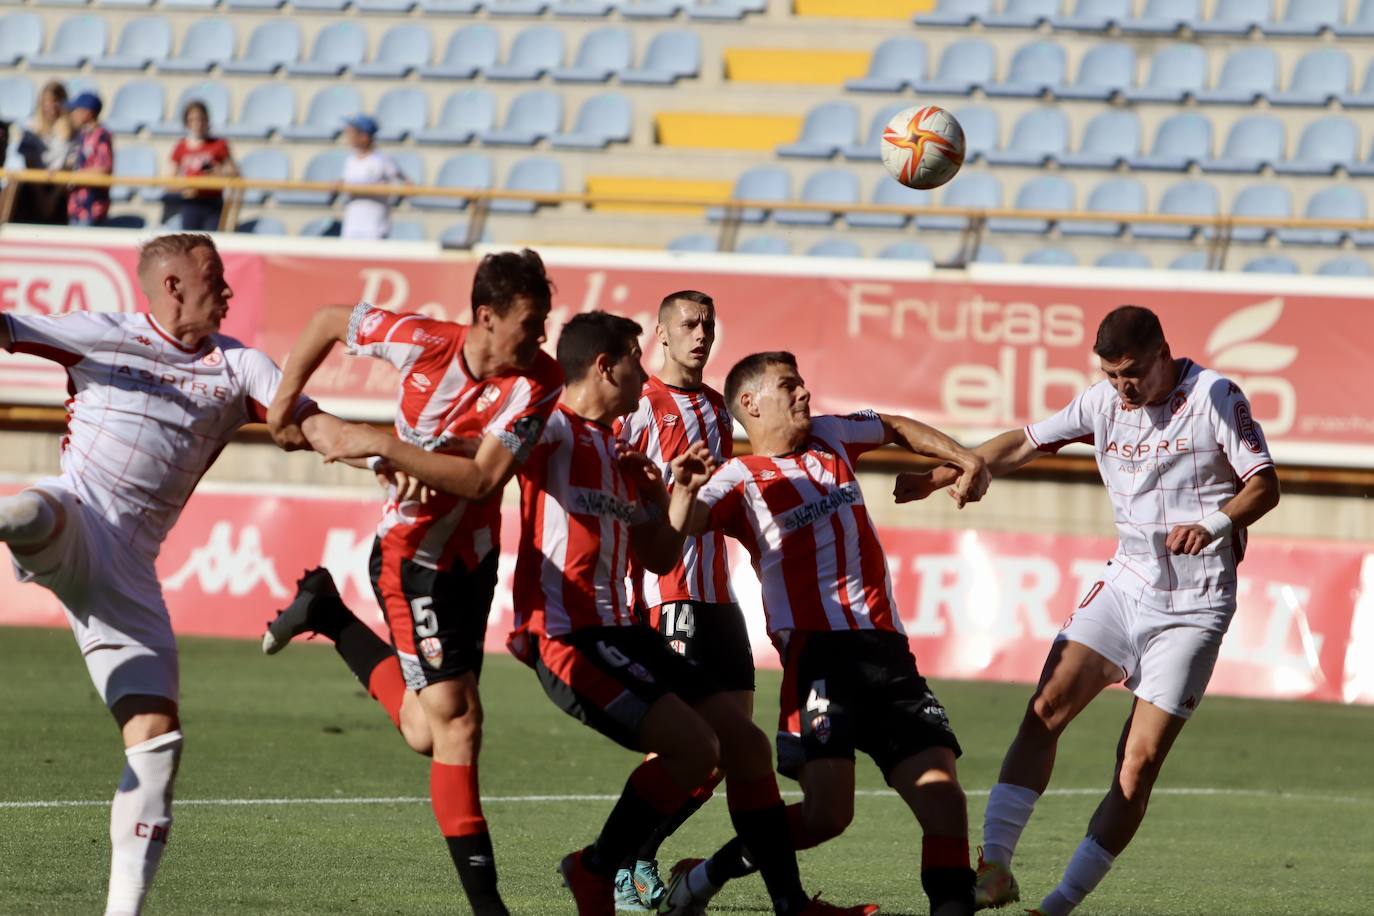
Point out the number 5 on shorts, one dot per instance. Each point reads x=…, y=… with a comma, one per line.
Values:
x=422, y=610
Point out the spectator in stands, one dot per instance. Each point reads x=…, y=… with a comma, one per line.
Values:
x=92, y=151
x=367, y=216
x=45, y=144
x=196, y=155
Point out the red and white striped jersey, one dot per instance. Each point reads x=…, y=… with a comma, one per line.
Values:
x=576, y=509
x=442, y=408
x=802, y=518
x=666, y=422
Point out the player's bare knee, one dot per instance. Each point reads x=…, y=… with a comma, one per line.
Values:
x=1137, y=774
x=418, y=738
x=829, y=817
x=744, y=745
x=1047, y=713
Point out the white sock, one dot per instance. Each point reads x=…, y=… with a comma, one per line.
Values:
x=140, y=820
x=1087, y=868
x=1009, y=808
x=26, y=518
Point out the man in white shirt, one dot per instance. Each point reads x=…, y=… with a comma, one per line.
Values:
x=1188, y=471
x=367, y=216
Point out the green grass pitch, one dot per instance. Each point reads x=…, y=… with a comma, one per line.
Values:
x=1264, y=808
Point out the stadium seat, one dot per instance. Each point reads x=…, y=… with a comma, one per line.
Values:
x=133, y=160
x=270, y=107
x=1364, y=97
x=457, y=235
x=262, y=225
x=906, y=251
x=406, y=231
x=465, y=170
x=1107, y=68
x=470, y=50
x=1040, y=134
x=582, y=9
x=887, y=192
x=1182, y=140
x=533, y=174
x=236, y=6
x=466, y=113
x=404, y=48
x=536, y=50
x=1320, y=76
x=603, y=53
x=955, y=13
x=321, y=227
x=828, y=186
x=1193, y=260
x=411, y=165
x=1361, y=25
x=989, y=254
x=213, y=94
x=1112, y=195
x=450, y=7
x=1262, y=201
x=1044, y=192
x=338, y=46
x=1051, y=257
x=1176, y=71
x=78, y=39
x=384, y=7
x=273, y=45
x=1324, y=145
x=602, y=120
x=1110, y=138
x=1252, y=143
x=533, y=116
x=982, y=131
x=828, y=128
x=1271, y=264
x=136, y=104
x=965, y=65
x=696, y=241
x=17, y=98
x=1236, y=17
x=978, y=190
x=671, y=56
x=835, y=248
x=1036, y=68
x=325, y=116
x=124, y=221
x=649, y=9
x=1248, y=74
x=1185, y=198
x=402, y=112
x=871, y=147
x=897, y=64
x=141, y=42
x=1333, y=202
x=1127, y=258
x=1346, y=265
x=266, y=164
x=1093, y=16
x=21, y=37
x=723, y=9
x=1021, y=14
x=324, y=167
x=207, y=44
x=764, y=244
x=1306, y=18
x=516, y=7
x=1163, y=17
x=763, y=182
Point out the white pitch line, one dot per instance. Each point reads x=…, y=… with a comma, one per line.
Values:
x=517, y=799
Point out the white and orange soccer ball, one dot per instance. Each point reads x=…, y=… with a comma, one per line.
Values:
x=923, y=147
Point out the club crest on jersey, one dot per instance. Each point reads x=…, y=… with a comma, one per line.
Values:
x=488, y=397
x=1180, y=400
x=373, y=321
x=213, y=359
x=146, y=341
x=432, y=650
x=820, y=727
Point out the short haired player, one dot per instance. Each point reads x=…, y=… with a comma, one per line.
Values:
x=849, y=679
x=1188, y=471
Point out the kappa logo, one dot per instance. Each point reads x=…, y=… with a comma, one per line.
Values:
x=1191, y=702
x=420, y=381
x=373, y=321
x=146, y=341
x=222, y=566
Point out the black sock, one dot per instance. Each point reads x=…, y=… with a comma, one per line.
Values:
x=631, y=820
x=950, y=890
x=764, y=832
x=476, y=865
x=648, y=851
x=361, y=649
x=731, y=861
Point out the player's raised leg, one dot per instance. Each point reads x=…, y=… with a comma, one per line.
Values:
x=141, y=813
x=29, y=518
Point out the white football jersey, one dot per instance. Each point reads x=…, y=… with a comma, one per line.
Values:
x=147, y=416
x=1166, y=465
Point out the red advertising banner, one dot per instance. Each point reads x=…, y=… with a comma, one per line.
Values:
x=973, y=351
x=977, y=605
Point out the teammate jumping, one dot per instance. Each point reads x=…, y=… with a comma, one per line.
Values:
x=1188, y=472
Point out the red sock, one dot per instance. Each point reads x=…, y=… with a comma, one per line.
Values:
x=387, y=687
x=703, y=792
x=752, y=794
x=802, y=837
x=653, y=783
x=456, y=800
x=944, y=852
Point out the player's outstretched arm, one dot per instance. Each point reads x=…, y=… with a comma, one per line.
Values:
x=327, y=327
x=657, y=543
x=1256, y=498
x=474, y=477
x=1001, y=454
x=972, y=477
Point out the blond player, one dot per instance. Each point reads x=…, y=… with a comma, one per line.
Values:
x=1188, y=472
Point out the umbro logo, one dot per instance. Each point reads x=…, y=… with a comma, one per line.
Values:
x=767, y=474
x=420, y=381
x=669, y=419
x=488, y=397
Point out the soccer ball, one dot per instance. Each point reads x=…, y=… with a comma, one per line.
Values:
x=923, y=147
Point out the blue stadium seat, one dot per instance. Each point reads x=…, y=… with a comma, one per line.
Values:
x=604, y=53
x=696, y=241
x=1193, y=260
x=582, y=9
x=1163, y=17
x=1252, y=143
x=450, y=7
x=386, y=7
x=1248, y=74
x=1110, y=138
x=133, y=160
x=213, y=94
x=338, y=46
x=256, y=6
x=1320, y=76
x=871, y=147
x=965, y=65
x=1040, y=134
x=321, y=227
x=406, y=231
x=955, y=13
x=1185, y=198
x=716, y=10
x=1306, y=18
x=207, y=44
x=196, y=6
x=897, y=64
x=1334, y=202
x=410, y=164
x=325, y=116
x=402, y=112
x=602, y=120
x=1176, y=71
x=671, y=56
x=1271, y=264
x=989, y=254
x=465, y=170
x=17, y=98
x=125, y=221
x=1261, y=201
x=828, y=128
x=906, y=251
x=404, y=48
x=516, y=7
x=1107, y=68
x=893, y=194
x=141, y=42
x=1036, y=68
x=262, y=225
x=78, y=39
x=982, y=131
x=1183, y=139
x=533, y=116
x=1346, y=265
x=537, y=174
x=1325, y=144
x=1112, y=195
x=21, y=37
x=649, y=9
x=1237, y=17
x=1093, y=16
x=834, y=247
x=466, y=113
x=273, y=45
x=1043, y=192
x=536, y=50
x=763, y=182
x=1051, y=257
x=1022, y=14
x=1364, y=97
x=1125, y=258
x=828, y=186
x=978, y=190
x=324, y=167
x=266, y=164
x=1361, y=25
x=764, y=244
x=136, y=104
x=269, y=107
x=470, y=50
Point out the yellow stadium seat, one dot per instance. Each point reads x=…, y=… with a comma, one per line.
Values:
x=797, y=67
x=704, y=130
x=633, y=185
x=863, y=9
